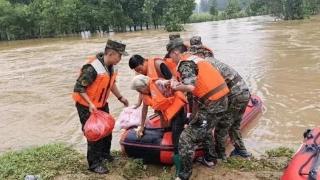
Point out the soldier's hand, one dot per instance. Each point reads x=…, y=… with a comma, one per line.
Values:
x=92, y=107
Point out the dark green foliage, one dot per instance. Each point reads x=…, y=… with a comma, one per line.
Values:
x=213, y=7
x=233, y=8
x=293, y=9
x=24, y=19
x=312, y=7
x=286, y=9
x=178, y=12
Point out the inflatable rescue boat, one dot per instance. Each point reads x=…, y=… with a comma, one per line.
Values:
x=156, y=144
x=305, y=164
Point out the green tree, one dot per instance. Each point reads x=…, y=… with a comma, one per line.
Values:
x=294, y=9
x=178, y=11
x=213, y=9
x=233, y=8
x=20, y=1
x=312, y=7
x=6, y=11
x=173, y=14
x=257, y=7
x=159, y=13
x=204, y=5
x=148, y=10
x=186, y=9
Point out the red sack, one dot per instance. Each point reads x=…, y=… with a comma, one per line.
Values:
x=99, y=125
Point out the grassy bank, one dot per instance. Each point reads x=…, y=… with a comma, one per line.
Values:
x=58, y=161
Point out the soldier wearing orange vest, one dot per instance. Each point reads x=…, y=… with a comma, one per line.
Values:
x=168, y=61
x=91, y=91
x=238, y=98
x=156, y=69
x=209, y=89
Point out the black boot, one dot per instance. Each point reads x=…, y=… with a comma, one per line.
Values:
x=243, y=153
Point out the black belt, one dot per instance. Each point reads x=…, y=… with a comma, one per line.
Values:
x=206, y=97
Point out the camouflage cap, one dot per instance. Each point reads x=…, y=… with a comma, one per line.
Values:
x=199, y=49
x=117, y=46
x=174, y=36
x=195, y=40
x=194, y=49
x=174, y=43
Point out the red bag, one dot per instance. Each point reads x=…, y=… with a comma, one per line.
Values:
x=99, y=125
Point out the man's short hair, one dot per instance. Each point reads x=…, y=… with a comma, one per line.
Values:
x=135, y=61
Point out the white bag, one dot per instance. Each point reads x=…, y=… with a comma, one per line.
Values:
x=129, y=117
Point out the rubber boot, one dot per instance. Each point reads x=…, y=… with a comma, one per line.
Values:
x=177, y=163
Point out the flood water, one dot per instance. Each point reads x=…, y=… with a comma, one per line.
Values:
x=280, y=61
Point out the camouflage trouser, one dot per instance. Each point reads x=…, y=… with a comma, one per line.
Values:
x=200, y=132
x=231, y=123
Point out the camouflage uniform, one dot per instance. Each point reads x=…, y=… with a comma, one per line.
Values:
x=201, y=125
x=197, y=47
x=99, y=150
x=238, y=98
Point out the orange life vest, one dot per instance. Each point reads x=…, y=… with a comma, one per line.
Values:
x=99, y=90
x=168, y=106
x=209, y=80
x=172, y=66
x=152, y=70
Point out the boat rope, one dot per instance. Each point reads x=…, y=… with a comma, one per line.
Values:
x=315, y=148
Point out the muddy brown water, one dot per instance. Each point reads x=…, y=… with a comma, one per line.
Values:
x=280, y=61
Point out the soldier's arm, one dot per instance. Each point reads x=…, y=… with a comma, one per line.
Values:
x=225, y=70
x=188, y=72
x=116, y=92
x=228, y=72
x=86, y=78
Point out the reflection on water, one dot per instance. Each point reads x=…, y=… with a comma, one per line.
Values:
x=279, y=60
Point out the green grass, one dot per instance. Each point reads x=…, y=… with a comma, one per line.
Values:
x=47, y=161
x=58, y=160
x=280, y=152
x=275, y=159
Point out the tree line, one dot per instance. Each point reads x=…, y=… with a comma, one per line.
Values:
x=24, y=19
x=228, y=9
x=285, y=9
